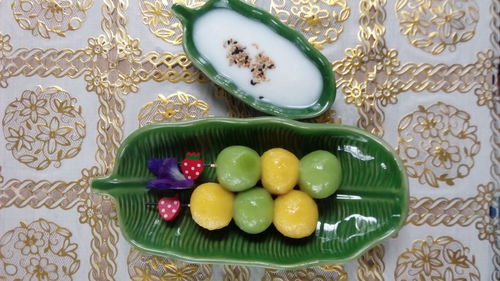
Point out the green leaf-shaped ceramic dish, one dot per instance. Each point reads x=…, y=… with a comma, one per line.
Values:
x=224, y=38
x=370, y=205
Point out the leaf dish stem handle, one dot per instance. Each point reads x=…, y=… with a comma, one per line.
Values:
x=183, y=13
x=100, y=184
x=109, y=183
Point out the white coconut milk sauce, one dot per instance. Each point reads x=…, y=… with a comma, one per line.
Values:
x=290, y=79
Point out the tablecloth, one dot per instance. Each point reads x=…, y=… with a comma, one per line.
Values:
x=78, y=76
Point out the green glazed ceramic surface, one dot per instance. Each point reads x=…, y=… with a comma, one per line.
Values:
x=370, y=205
x=189, y=16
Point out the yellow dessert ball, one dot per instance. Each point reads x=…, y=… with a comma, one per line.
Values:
x=280, y=170
x=295, y=214
x=212, y=206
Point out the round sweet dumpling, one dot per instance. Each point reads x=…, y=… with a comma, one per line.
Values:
x=253, y=210
x=238, y=168
x=280, y=170
x=211, y=206
x=295, y=214
x=320, y=174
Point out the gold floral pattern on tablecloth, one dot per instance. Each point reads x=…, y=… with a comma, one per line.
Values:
x=236, y=273
x=371, y=264
x=60, y=194
x=434, y=26
x=162, y=22
x=441, y=258
x=488, y=226
x=178, y=106
x=98, y=48
x=316, y=273
x=321, y=21
x=143, y=267
x=5, y=46
x=368, y=78
x=487, y=91
x=489, y=229
x=438, y=144
x=41, y=250
x=99, y=212
x=94, y=208
x=43, y=17
x=486, y=95
x=486, y=63
x=118, y=66
x=451, y=211
x=364, y=72
x=44, y=127
x=120, y=72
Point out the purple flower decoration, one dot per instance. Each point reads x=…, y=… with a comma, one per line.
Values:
x=167, y=175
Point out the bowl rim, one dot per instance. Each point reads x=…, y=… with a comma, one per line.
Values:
x=189, y=16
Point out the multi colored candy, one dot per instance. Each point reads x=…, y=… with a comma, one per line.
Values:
x=294, y=213
x=320, y=174
x=280, y=170
x=253, y=210
x=238, y=168
x=211, y=206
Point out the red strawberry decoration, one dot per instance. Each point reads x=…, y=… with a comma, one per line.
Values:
x=192, y=166
x=169, y=207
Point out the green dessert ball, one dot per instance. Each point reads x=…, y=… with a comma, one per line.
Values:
x=238, y=168
x=320, y=174
x=253, y=210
